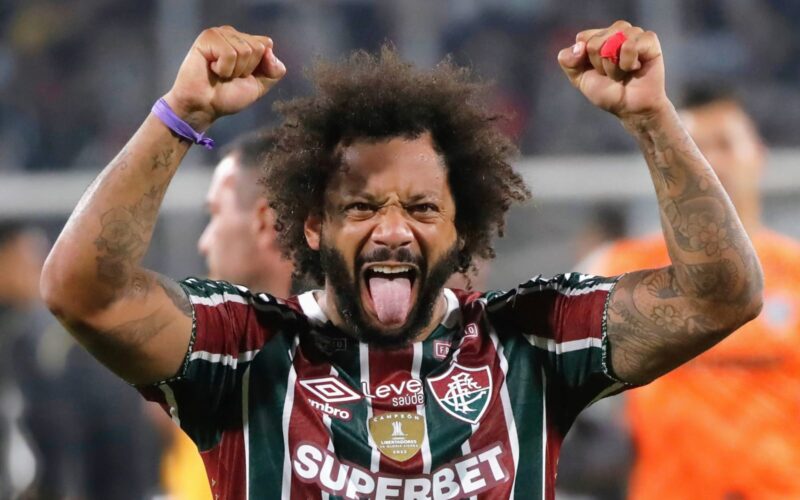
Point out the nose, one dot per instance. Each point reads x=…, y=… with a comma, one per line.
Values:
x=392, y=229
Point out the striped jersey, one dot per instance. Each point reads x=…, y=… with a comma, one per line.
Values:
x=282, y=404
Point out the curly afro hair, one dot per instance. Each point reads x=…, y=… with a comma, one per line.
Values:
x=376, y=97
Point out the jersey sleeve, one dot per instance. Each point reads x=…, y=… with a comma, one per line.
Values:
x=564, y=320
x=227, y=332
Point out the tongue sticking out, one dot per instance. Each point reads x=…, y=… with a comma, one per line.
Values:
x=392, y=299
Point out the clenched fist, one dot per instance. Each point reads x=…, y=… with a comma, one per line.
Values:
x=224, y=72
x=631, y=88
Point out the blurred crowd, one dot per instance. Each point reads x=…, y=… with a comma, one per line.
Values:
x=77, y=77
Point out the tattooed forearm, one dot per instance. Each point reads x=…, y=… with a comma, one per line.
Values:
x=125, y=233
x=132, y=319
x=649, y=324
x=162, y=160
x=661, y=318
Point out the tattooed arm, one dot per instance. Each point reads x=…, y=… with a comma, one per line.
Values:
x=659, y=319
x=136, y=321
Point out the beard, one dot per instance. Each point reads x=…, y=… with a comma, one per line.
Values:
x=347, y=293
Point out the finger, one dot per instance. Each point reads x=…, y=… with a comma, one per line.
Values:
x=594, y=43
x=573, y=62
x=628, y=53
x=218, y=52
x=585, y=35
x=263, y=64
x=614, y=66
x=243, y=50
x=612, y=70
x=648, y=47
x=593, y=46
x=255, y=59
x=267, y=41
x=269, y=72
x=271, y=67
x=256, y=52
x=221, y=54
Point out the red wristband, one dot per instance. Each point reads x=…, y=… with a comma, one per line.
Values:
x=612, y=46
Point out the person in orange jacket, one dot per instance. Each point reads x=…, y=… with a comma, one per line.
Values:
x=724, y=425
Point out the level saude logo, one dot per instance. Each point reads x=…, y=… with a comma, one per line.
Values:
x=463, y=392
x=399, y=391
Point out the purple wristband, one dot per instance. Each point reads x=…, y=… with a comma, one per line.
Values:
x=164, y=113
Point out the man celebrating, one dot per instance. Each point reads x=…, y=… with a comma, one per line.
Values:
x=385, y=384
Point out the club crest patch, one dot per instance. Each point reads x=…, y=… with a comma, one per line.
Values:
x=463, y=392
x=398, y=435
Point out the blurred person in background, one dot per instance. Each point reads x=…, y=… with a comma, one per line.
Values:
x=21, y=256
x=608, y=222
x=239, y=245
x=87, y=432
x=724, y=425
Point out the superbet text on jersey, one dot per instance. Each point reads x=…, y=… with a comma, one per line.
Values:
x=284, y=405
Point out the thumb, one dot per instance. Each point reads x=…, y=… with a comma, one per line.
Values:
x=269, y=71
x=573, y=61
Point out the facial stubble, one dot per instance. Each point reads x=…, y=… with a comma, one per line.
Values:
x=347, y=293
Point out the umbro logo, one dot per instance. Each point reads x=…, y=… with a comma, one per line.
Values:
x=330, y=389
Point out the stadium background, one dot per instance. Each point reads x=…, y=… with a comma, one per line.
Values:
x=77, y=78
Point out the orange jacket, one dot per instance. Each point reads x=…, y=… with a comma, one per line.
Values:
x=726, y=424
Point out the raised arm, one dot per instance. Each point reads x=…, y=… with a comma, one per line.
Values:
x=661, y=318
x=136, y=321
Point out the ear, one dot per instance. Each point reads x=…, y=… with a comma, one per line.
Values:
x=262, y=218
x=263, y=222
x=313, y=231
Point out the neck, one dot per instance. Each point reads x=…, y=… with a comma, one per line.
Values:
x=327, y=303
x=277, y=284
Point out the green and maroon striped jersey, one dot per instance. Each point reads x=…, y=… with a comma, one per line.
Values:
x=281, y=404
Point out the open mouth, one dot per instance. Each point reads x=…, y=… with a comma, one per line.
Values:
x=389, y=291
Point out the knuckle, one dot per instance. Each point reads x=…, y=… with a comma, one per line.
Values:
x=594, y=43
x=621, y=23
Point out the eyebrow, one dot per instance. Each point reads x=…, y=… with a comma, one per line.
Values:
x=424, y=195
x=413, y=198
